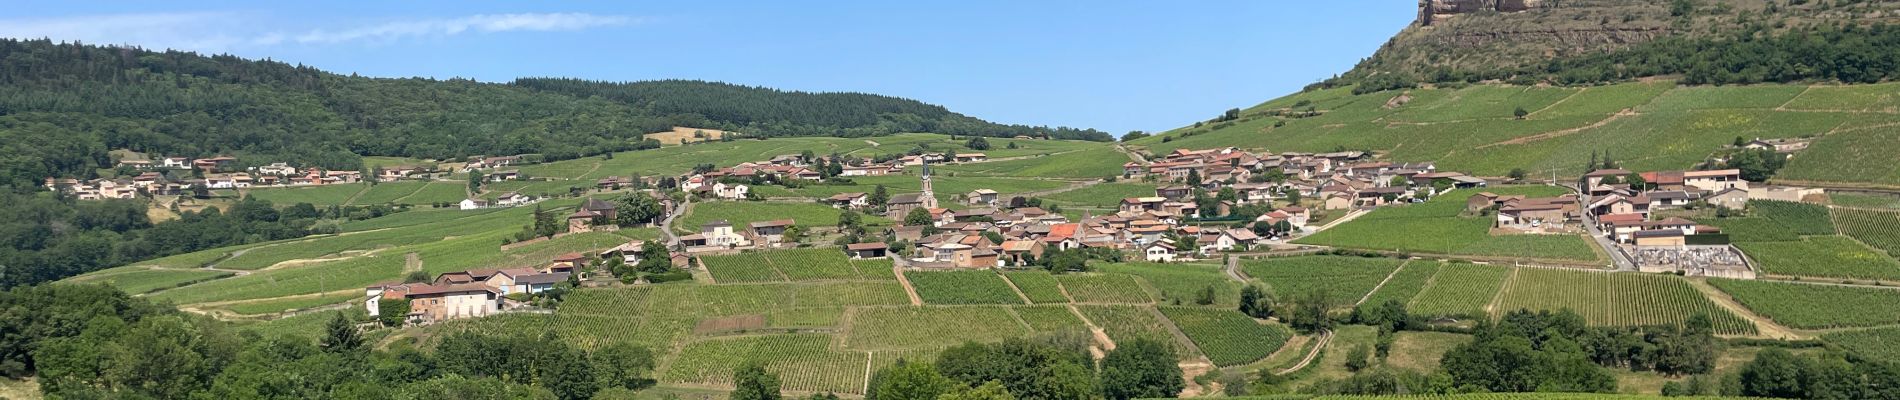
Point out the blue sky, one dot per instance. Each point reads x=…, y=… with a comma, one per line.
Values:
x=1110, y=65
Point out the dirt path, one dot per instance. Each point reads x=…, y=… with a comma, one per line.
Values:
x=873, y=144
x=1557, y=103
x=1131, y=155
x=1627, y=112
x=1102, y=343
x=1179, y=336
x=1375, y=288
x=1071, y=187
x=1013, y=288
x=1325, y=338
x=359, y=194
x=911, y=290
x=1492, y=307
x=1784, y=105
x=1192, y=370
x=411, y=263
x=1766, y=327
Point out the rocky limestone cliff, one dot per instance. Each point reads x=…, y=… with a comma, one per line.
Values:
x=1431, y=11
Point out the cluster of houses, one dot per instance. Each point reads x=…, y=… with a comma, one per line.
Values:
x=175, y=175
x=477, y=293
x=1336, y=180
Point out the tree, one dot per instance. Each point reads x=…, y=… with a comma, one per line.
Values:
x=623, y=365
x=1636, y=181
x=977, y=143
x=879, y=197
x=341, y=335
x=1358, y=358
x=637, y=208
x=1194, y=178
x=1255, y=302
x=911, y=381
x=390, y=311
x=1309, y=312
x=1519, y=113
x=850, y=222
x=794, y=234
x=751, y=382
x=1518, y=174
x=1608, y=162
x=1775, y=373
x=1142, y=368
x=1207, y=296
x=1739, y=141
x=654, y=258
x=544, y=223
x=1592, y=166
x=918, y=217
x=475, y=180
x=1132, y=135
x=991, y=390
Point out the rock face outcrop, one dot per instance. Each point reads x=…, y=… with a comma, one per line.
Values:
x=1430, y=11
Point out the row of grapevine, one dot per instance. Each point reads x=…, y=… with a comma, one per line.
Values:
x=803, y=362
x=889, y=328
x=1802, y=218
x=1880, y=229
x=1044, y=319
x=1104, y=288
x=1227, y=336
x=1830, y=256
x=1343, y=280
x=1405, y=284
x=1125, y=323
x=962, y=287
x=741, y=268
x=812, y=264
x=1809, y=306
x=1460, y=290
x=1040, y=287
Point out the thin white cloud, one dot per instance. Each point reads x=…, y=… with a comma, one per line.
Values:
x=453, y=26
x=226, y=31
x=206, y=31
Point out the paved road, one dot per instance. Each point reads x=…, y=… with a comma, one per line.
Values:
x=1617, y=257
x=666, y=225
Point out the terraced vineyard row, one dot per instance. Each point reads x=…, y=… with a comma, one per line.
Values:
x=803, y=362
x=1460, y=290
x=814, y=264
x=1344, y=280
x=1227, y=336
x=1880, y=229
x=962, y=287
x=1815, y=306
x=1126, y=323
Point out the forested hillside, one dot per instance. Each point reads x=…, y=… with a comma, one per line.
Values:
x=1599, y=41
x=63, y=106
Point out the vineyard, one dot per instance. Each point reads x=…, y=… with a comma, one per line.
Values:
x=1181, y=281
x=1406, y=283
x=1880, y=229
x=1752, y=229
x=803, y=362
x=1808, y=306
x=741, y=268
x=1344, y=280
x=1460, y=290
x=1438, y=226
x=1617, y=299
x=140, y=280
x=962, y=287
x=1802, y=218
x=1227, y=337
x=812, y=264
x=1127, y=323
x=1875, y=344
x=1104, y=288
x=1039, y=286
x=1829, y=256
x=1045, y=319
x=919, y=327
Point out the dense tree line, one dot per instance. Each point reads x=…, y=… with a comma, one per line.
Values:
x=1044, y=368
x=94, y=342
x=64, y=105
x=1757, y=52
x=46, y=237
x=772, y=112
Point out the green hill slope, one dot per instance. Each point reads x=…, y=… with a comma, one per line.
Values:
x=1643, y=125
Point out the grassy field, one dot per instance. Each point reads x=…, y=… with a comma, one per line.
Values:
x=324, y=195
x=1815, y=306
x=1437, y=226
x=962, y=287
x=1086, y=163
x=1343, y=280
